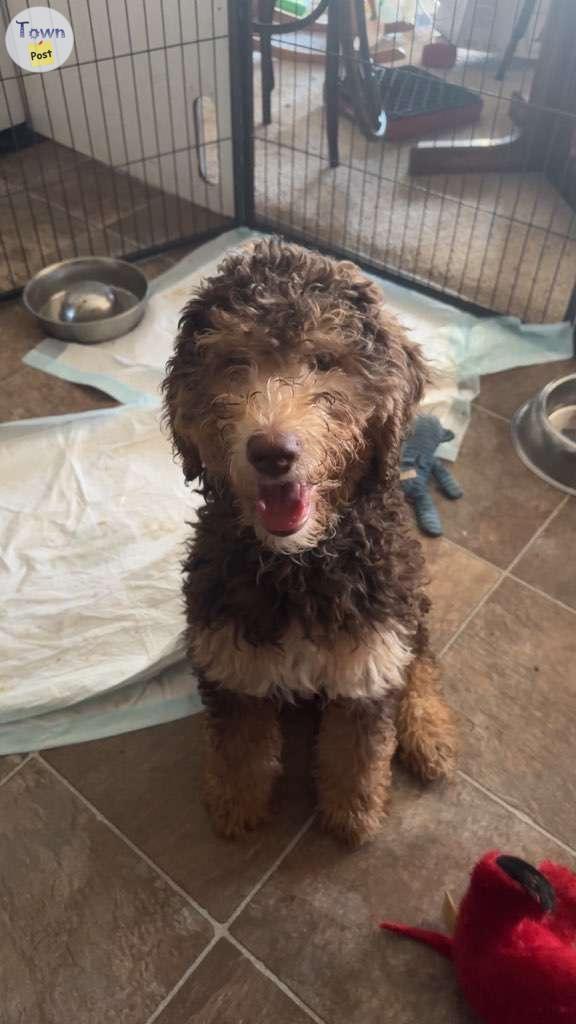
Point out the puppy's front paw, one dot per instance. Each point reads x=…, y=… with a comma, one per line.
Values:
x=233, y=813
x=425, y=725
x=356, y=746
x=427, y=735
x=353, y=822
x=432, y=761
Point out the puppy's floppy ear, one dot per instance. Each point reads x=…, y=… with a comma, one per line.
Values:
x=394, y=365
x=417, y=377
x=180, y=387
x=405, y=375
x=181, y=423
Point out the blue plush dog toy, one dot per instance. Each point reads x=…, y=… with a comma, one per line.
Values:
x=418, y=464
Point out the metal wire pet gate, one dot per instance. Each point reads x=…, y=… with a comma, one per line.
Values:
x=433, y=140
x=470, y=189
x=127, y=148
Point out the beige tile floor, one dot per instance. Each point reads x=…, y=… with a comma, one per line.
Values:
x=56, y=203
x=119, y=906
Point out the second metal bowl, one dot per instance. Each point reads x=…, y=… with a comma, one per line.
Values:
x=54, y=292
x=544, y=433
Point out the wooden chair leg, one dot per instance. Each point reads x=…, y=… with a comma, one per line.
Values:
x=266, y=14
x=332, y=81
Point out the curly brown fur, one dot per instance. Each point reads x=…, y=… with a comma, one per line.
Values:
x=367, y=572
x=426, y=725
x=242, y=760
x=285, y=343
x=356, y=745
x=247, y=357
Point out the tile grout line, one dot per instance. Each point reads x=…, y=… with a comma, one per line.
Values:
x=543, y=526
x=468, y=618
x=505, y=573
x=259, y=965
x=508, y=573
x=516, y=811
x=13, y=771
x=220, y=930
x=542, y=593
x=89, y=222
x=182, y=981
x=263, y=969
x=517, y=579
x=268, y=874
x=467, y=551
x=216, y=925
x=564, y=501
x=490, y=412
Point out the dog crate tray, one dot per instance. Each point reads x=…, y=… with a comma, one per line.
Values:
x=419, y=104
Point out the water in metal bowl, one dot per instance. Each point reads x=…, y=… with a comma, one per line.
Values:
x=89, y=300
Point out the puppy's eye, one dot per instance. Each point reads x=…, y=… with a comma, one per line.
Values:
x=236, y=363
x=322, y=361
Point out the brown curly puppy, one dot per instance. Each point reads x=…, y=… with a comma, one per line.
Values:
x=288, y=396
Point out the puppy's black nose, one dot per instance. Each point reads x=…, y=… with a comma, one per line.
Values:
x=272, y=456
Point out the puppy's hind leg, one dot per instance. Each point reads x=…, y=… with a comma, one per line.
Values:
x=425, y=723
x=242, y=759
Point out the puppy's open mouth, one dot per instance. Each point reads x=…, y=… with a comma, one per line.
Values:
x=283, y=508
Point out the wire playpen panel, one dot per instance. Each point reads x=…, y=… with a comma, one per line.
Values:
x=126, y=148
x=470, y=189
x=434, y=140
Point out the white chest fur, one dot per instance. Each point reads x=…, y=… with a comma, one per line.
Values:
x=343, y=668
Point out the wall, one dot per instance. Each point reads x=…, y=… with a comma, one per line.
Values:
x=126, y=95
x=12, y=110
x=488, y=24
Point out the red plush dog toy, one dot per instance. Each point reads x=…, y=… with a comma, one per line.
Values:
x=514, y=942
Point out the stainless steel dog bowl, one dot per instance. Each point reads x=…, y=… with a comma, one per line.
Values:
x=88, y=299
x=544, y=433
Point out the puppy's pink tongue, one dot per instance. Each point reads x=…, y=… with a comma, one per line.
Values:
x=283, y=508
